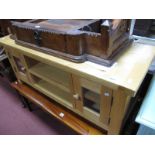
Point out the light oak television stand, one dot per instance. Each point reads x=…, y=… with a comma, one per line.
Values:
x=99, y=94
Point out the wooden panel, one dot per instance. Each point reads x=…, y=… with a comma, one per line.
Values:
x=14, y=67
x=94, y=118
x=26, y=68
x=105, y=104
x=117, y=111
x=77, y=93
x=13, y=53
x=22, y=76
x=91, y=85
x=58, y=112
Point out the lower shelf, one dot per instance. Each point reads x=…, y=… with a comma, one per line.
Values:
x=57, y=111
x=54, y=92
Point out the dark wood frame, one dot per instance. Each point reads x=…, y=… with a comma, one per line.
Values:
x=76, y=44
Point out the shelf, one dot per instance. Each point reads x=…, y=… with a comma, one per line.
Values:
x=54, y=92
x=92, y=96
x=64, y=88
x=52, y=75
x=92, y=101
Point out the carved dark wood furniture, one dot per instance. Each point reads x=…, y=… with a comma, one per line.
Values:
x=6, y=26
x=76, y=40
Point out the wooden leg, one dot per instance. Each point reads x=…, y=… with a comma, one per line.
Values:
x=25, y=102
x=21, y=98
x=120, y=101
x=28, y=104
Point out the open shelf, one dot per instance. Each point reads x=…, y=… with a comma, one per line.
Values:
x=48, y=78
x=53, y=92
x=50, y=73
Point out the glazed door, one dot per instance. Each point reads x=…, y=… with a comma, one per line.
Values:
x=92, y=99
x=18, y=64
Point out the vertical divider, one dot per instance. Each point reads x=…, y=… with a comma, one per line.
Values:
x=27, y=69
x=77, y=93
x=13, y=64
x=105, y=104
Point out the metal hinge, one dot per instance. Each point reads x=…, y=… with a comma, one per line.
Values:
x=37, y=37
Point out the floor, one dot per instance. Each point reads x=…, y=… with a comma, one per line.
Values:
x=16, y=120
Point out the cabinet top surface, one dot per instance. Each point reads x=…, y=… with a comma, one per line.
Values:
x=128, y=71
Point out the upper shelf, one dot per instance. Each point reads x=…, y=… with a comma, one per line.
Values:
x=127, y=72
x=52, y=75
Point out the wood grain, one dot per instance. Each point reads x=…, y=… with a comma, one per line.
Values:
x=77, y=91
x=120, y=99
x=105, y=104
